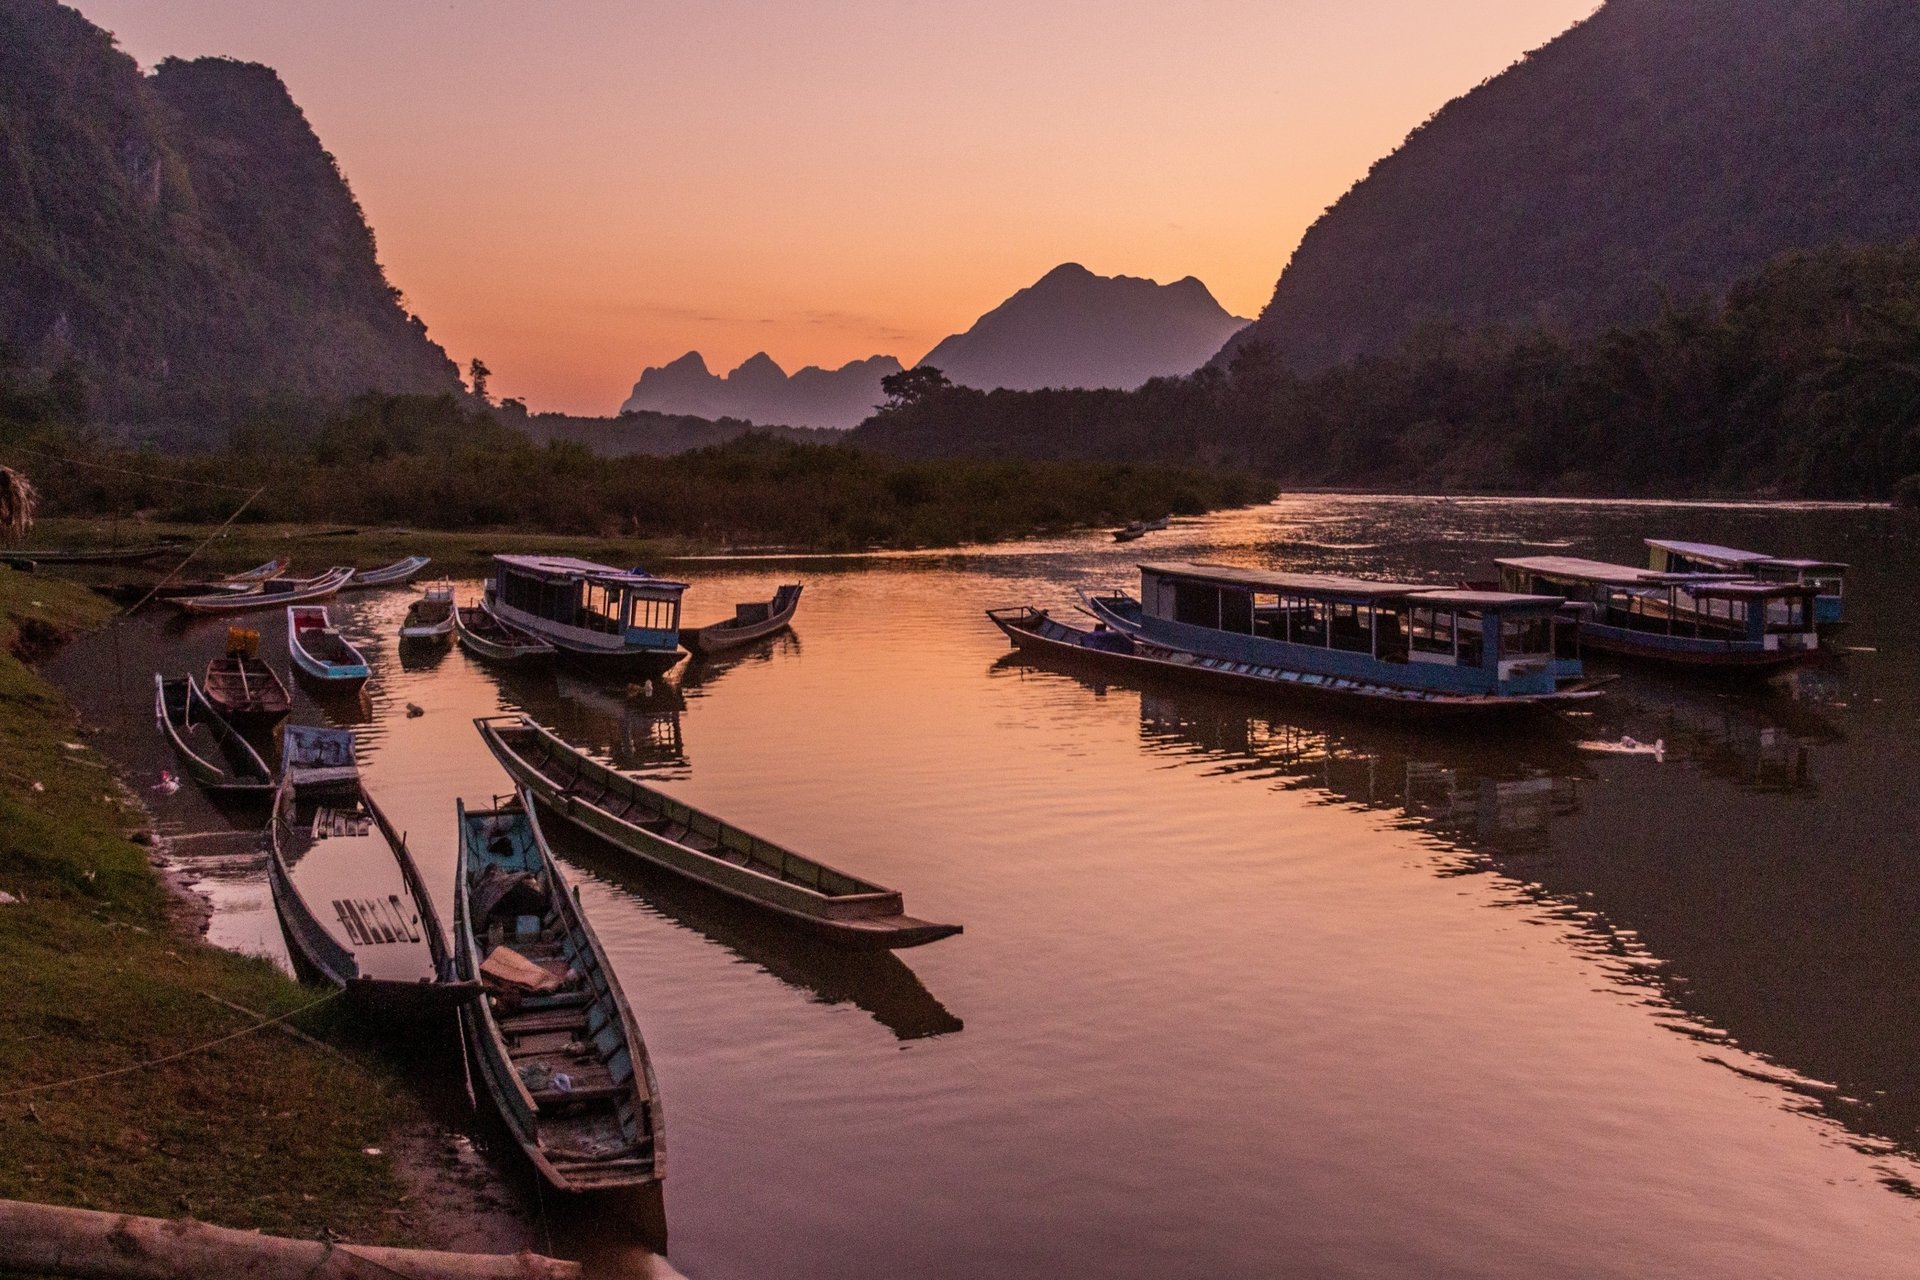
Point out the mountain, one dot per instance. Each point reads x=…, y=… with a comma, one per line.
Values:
x=1660, y=147
x=182, y=235
x=1073, y=328
x=760, y=391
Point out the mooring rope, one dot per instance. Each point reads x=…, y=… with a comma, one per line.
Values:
x=171, y=1057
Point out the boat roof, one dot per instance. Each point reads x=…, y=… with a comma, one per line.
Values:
x=1711, y=551
x=1754, y=590
x=571, y=567
x=1613, y=575
x=1337, y=585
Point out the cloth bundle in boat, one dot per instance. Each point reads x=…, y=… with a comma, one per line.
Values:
x=507, y=968
x=507, y=894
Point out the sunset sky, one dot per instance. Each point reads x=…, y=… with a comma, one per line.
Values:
x=576, y=189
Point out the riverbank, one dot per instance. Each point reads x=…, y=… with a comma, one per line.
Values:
x=108, y=980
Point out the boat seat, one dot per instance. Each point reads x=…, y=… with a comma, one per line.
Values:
x=527, y=1024
x=558, y=1000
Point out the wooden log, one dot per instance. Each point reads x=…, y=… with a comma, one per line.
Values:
x=46, y=1240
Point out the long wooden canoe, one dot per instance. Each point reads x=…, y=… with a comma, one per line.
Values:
x=248, y=692
x=486, y=636
x=92, y=555
x=212, y=752
x=333, y=845
x=552, y=1034
x=272, y=593
x=661, y=830
x=749, y=622
x=388, y=576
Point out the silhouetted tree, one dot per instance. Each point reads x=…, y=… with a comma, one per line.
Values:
x=910, y=387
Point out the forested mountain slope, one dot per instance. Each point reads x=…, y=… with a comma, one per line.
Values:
x=1661, y=146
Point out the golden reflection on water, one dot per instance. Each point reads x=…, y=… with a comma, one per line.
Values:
x=1245, y=991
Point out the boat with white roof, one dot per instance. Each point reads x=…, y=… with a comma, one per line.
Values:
x=591, y=613
x=1722, y=621
x=1828, y=577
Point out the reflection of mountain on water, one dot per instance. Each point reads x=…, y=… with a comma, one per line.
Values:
x=1780, y=925
x=877, y=982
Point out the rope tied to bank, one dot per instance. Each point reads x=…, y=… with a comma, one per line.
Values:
x=172, y=1057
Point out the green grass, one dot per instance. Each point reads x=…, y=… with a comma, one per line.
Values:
x=263, y=1131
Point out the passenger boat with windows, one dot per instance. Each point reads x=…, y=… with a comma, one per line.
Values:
x=594, y=614
x=1827, y=577
x=1397, y=648
x=653, y=826
x=351, y=902
x=1724, y=622
x=553, y=1036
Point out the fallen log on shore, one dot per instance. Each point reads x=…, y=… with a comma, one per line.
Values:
x=47, y=1240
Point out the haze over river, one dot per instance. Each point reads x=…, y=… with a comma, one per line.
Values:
x=1245, y=990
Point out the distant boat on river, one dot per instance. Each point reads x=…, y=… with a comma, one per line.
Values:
x=1724, y=622
x=269, y=594
x=1827, y=577
x=392, y=575
x=1395, y=648
x=667, y=833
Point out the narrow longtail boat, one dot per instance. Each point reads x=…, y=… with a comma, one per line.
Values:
x=430, y=618
x=1721, y=622
x=485, y=636
x=393, y=575
x=92, y=555
x=245, y=687
x=749, y=622
x=322, y=652
x=212, y=752
x=259, y=573
x=552, y=1034
x=272, y=593
x=660, y=830
x=1828, y=577
x=377, y=934
x=231, y=584
x=1389, y=648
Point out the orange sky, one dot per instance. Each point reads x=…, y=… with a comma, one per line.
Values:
x=576, y=189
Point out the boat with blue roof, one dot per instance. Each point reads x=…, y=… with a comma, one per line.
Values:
x=1401, y=648
x=592, y=614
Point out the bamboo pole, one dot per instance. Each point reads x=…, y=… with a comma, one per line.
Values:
x=39, y=1239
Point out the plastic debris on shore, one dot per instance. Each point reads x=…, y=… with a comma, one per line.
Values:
x=168, y=784
x=1628, y=746
x=8, y=900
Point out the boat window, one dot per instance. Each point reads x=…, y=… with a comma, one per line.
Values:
x=1307, y=622
x=1353, y=627
x=1196, y=604
x=1390, y=635
x=1431, y=630
x=1269, y=619
x=602, y=608
x=1789, y=614
x=1520, y=636
x=1470, y=639
x=1566, y=640
x=1236, y=612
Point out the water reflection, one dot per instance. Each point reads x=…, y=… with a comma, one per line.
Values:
x=879, y=983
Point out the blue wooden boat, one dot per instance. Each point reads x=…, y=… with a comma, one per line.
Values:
x=553, y=1036
x=1724, y=622
x=323, y=653
x=622, y=619
x=1392, y=647
x=1827, y=577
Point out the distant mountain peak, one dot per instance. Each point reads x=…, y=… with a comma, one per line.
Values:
x=758, y=390
x=1074, y=328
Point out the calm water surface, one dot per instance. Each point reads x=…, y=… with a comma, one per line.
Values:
x=1243, y=991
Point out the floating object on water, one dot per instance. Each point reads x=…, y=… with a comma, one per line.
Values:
x=414, y=711
x=1628, y=746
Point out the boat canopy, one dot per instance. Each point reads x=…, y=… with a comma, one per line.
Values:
x=1734, y=557
x=1337, y=587
x=1752, y=590
x=1611, y=575
x=568, y=568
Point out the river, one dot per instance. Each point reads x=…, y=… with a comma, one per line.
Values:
x=1244, y=991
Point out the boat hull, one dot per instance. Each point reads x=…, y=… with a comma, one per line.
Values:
x=249, y=693
x=1739, y=661
x=865, y=916
x=180, y=708
x=485, y=636
x=303, y=591
x=719, y=637
x=1034, y=632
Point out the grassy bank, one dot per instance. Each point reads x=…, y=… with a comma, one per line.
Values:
x=262, y=1131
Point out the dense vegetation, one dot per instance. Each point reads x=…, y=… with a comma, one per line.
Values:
x=1662, y=144
x=1802, y=380
x=179, y=243
x=437, y=462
